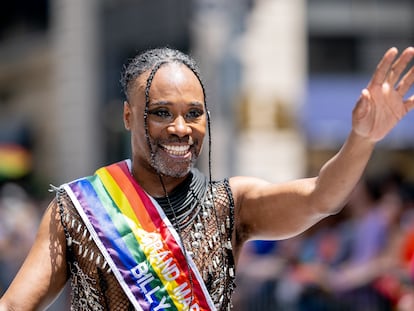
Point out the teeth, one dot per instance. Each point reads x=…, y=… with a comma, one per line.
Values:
x=177, y=150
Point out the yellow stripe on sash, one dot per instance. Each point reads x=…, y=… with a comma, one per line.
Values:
x=125, y=207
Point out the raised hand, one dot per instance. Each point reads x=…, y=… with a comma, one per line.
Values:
x=383, y=102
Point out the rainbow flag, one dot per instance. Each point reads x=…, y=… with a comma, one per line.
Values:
x=15, y=161
x=138, y=241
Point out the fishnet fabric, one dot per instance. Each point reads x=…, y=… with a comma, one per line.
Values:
x=212, y=251
x=94, y=286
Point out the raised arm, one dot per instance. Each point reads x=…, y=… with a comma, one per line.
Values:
x=43, y=273
x=276, y=211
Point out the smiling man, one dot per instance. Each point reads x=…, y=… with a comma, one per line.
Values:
x=154, y=233
x=175, y=121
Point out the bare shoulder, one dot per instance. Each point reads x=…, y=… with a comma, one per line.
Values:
x=244, y=186
x=246, y=191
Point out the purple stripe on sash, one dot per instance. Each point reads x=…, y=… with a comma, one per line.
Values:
x=86, y=195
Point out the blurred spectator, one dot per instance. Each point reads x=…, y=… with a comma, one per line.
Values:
x=363, y=278
x=19, y=219
x=258, y=266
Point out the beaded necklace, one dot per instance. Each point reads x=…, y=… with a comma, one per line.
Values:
x=185, y=200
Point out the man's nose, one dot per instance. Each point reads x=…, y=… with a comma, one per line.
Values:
x=179, y=127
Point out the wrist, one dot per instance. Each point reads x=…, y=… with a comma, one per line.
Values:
x=360, y=139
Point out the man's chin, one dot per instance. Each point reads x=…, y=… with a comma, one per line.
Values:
x=173, y=169
x=173, y=172
x=180, y=174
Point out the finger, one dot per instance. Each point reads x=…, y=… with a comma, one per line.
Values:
x=409, y=103
x=383, y=67
x=406, y=82
x=400, y=65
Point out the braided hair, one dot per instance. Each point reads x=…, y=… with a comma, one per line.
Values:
x=149, y=59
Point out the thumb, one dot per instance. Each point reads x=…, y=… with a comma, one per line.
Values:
x=363, y=106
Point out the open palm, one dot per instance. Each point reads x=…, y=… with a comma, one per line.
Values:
x=382, y=104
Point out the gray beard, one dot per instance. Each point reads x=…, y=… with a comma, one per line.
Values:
x=171, y=168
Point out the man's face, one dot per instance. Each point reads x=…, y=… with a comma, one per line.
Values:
x=176, y=120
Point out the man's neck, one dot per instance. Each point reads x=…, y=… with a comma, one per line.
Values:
x=152, y=183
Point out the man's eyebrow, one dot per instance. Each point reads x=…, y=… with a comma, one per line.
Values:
x=167, y=103
x=196, y=104
x=160, y=103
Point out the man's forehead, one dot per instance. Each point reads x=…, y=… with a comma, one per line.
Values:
x=165, y=79
x=167, y=74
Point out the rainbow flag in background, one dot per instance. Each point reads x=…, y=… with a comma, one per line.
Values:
x=15, y=161
x=138, y=241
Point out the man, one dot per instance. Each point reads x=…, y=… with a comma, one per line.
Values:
x=154, y=233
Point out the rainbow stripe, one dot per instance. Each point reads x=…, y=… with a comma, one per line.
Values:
x=138, y=241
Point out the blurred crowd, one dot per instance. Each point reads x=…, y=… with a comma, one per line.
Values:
x=360, y=259
x=19, y=219
x=20, y=215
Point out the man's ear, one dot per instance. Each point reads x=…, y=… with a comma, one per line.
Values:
x=127, y=115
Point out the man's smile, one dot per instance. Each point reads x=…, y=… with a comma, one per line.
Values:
x=176, y=150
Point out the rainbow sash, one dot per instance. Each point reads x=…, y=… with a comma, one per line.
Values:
x=138, y=241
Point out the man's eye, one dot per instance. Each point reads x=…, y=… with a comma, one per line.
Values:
x=160, y=113
x=194, y=114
